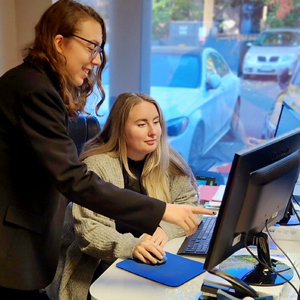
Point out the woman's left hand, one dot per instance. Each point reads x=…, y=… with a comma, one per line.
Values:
x=159, y=237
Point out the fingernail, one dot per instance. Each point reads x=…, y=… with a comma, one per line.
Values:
x=214, y=213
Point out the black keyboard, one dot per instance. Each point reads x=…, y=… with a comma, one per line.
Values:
x=198, y=243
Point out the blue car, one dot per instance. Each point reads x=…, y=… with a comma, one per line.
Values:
x=199, y=96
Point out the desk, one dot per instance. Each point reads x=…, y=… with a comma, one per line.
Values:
x=118, y=284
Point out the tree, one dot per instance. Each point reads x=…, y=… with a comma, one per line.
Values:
x=161, y=18
x=165, y=11
x=283, y=13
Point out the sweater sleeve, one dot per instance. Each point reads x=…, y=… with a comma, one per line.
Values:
x=182, y=192
x=96, y=234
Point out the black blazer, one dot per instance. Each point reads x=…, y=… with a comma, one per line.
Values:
x=39, y=169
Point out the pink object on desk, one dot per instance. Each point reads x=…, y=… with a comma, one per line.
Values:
x=225, y=168
x=207, y=192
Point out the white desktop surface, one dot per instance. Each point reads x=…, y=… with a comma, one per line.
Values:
x=116, y=284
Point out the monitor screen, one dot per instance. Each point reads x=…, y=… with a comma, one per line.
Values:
x=260, y=184
x=288, y=120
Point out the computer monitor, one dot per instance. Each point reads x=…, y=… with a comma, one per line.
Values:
x=259, y=187
x=288, y=120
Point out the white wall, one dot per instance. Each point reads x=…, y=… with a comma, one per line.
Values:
x=17, y=21
x=8, y=39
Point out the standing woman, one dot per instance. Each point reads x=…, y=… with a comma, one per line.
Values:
x=39, y=167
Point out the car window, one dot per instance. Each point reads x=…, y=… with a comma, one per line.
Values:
x=220, y=65
x=170, y=70
x=210, y=66
x=278, y=38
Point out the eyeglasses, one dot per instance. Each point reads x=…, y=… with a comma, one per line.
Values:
x=96, y=50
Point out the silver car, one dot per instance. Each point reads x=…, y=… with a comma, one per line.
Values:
x=274, y=51
x=199, y=95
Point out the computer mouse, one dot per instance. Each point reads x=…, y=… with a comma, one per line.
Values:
x=162, y=261
x=159, y=261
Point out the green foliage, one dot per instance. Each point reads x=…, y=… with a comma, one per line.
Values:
x=161, y=18
x=290, y=19
x=165, y=11
x=185, y=10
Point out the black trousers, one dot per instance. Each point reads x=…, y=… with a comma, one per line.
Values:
x=11, y=294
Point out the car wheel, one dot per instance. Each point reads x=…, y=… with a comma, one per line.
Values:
x=235, y=120
x=196, y=149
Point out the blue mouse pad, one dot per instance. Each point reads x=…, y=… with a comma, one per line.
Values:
x=176, y=271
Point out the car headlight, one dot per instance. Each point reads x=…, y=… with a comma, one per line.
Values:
x=177, y=126
x=290, y=57
x=249, y=57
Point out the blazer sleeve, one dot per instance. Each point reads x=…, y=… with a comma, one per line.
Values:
x=43, y=122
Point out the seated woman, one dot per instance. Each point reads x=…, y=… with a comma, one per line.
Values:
x=131, y=152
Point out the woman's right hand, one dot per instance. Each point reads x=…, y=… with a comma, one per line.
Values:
x=146, y=251
x=184, y=216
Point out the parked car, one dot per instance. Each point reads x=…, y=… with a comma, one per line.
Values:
x=290, y=94
x=273, y=51
x=199, y=96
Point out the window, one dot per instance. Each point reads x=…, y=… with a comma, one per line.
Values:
x=209, y=118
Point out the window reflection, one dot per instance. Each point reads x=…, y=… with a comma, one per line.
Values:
x=235, y=106
x=220, y=70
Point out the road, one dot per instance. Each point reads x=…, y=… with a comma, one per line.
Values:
x=257, y=98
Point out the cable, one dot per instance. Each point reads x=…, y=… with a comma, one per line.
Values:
x=294, y=267
x=296, y=200
x=295, y=208
x=283, y=252
x=271, y=269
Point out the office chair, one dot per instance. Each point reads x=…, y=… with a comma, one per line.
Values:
x=82, y=130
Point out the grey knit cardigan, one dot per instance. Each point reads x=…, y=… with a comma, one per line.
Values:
x=89, y=237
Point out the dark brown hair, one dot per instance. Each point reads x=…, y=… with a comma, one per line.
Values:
x=65, y=17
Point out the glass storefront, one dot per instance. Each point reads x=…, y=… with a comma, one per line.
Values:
x=218, y=70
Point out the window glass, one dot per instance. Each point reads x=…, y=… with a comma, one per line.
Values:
x=210, y=66
x=296, y=79
x=278, y=38
x=220, y=71
x=173, y=70
x=221, y=66
x=247, y=51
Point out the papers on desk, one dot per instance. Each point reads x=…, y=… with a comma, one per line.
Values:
x=211, y=193
x=225, y=168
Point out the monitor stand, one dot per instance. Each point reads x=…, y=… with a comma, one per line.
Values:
x=249, y=270
x=291, y=217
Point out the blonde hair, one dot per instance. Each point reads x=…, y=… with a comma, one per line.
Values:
x=158, y=164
